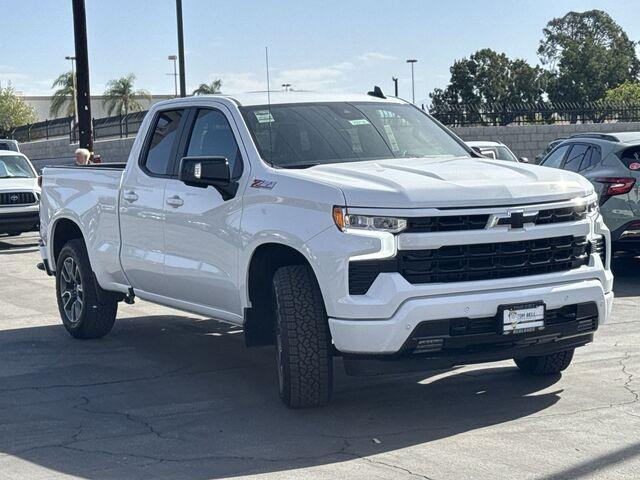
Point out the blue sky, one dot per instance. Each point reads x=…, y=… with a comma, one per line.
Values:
x=327, y=45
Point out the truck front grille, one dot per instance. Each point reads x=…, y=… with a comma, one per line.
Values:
x=17, y=198
x=452, y=223
x=462, y=263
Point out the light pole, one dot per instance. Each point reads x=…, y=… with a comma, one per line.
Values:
x=83, y=94
x=175, y=72
x=183, y=88
x=286, y=86
x=412, y=61
x=73, y=77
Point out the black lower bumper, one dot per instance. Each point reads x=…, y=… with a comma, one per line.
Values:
x=19, y=222
x=629, y=243
x=462, y=341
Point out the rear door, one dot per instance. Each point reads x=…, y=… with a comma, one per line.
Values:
x=202, y=229
x=142, y=213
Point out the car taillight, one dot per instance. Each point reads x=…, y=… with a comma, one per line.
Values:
x=616, y=185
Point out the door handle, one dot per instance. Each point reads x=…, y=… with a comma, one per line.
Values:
x=175, y=201
x=130, y=196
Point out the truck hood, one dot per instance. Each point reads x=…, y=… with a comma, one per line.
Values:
x=13, y=184
x=450, y=182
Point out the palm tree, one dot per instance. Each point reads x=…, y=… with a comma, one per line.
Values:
x=63, y=97
x=209, y=88
x=121, y=97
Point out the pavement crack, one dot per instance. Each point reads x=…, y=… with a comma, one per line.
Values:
x=630, y=378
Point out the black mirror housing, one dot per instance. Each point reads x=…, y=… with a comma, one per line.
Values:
x=208, y=171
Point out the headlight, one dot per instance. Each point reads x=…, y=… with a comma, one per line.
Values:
x=593, y=208
x=345, y=220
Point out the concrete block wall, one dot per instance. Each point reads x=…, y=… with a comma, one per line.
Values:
x=60, y=151
x=530, y=140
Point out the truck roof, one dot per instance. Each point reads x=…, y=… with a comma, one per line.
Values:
x=279, y=98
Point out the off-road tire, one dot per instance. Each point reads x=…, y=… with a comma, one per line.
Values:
x=98, y=308
x=546, y=364
x=303, y=341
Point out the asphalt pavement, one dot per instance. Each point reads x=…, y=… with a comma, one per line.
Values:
x=172, y=395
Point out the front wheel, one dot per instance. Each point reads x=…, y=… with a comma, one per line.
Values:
x=303, y=342
x=86, y=310
x=546, y=364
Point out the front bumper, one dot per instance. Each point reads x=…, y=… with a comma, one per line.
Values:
x=390, y=335
x=19, y=221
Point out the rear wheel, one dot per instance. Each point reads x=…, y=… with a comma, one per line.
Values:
x=86, y=310
x=303, y=342
x=546, y=364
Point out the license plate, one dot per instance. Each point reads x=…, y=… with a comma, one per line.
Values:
x=522, y=318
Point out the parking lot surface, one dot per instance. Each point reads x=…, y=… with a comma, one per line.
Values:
x=172, y=395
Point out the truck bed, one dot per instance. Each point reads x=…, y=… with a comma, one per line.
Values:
x=88, y=195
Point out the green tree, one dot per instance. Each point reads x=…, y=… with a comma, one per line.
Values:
x=14, y=111
x=628, y=92
x=488, y=78
x=121, y=96
x=63, y=97
x=587, y=54
x=209, y=88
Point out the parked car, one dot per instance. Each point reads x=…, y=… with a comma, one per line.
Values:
x=332, y=225
x=19, y=194
x=550, y=146
x=11, y=145
x=496, y=150
x=611, y=162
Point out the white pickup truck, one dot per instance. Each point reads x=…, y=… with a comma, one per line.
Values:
x=353, y=226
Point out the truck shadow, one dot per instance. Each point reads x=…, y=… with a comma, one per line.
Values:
x=182, y=397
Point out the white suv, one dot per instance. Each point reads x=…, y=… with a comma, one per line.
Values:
x=19, y=194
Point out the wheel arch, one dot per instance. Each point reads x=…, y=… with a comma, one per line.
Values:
x=63, y=230
x=265, y=260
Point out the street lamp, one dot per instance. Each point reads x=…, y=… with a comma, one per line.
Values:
x=75, y=97
x=286, y=86
x=412, y=61
x=175, y=72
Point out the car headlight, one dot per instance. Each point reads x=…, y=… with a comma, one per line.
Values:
x=345, y=221
x=593, y=208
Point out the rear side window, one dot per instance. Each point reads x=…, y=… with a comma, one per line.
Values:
x=212, y=137
x=160, y=148
x=631, y=158
x=575, y=157
x=8, y=146
x=591, y=160
x=555, y=158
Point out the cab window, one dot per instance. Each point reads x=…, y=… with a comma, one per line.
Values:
x=212, y=136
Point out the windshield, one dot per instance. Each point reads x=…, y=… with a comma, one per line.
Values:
x=304, y=135
x=15, y=166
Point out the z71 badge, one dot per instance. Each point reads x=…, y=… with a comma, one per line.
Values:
x=268, y=184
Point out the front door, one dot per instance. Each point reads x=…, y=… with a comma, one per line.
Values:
x=142, y=202
x=201, y=229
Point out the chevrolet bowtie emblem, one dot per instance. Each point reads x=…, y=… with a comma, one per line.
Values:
x=513, y=219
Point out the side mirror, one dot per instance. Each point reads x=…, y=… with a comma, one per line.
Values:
x=524, y=159
x=208, y=171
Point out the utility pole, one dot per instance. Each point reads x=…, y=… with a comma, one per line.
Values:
x=175, y=73
x=183, y=87
x=412, y=61
x=75, y=88
x=395, y=85
x=83, y=95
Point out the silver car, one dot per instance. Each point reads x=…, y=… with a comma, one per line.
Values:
x=612, y=163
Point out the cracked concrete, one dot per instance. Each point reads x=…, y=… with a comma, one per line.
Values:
x=171, y=395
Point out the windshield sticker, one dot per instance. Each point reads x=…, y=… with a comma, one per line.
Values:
x=360, y=121
x=264, y=116
x=392, y=138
